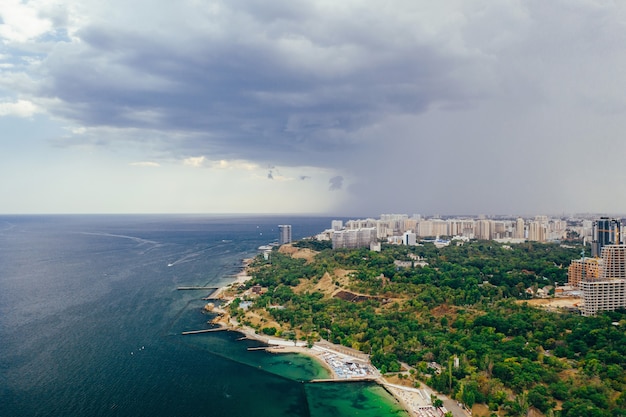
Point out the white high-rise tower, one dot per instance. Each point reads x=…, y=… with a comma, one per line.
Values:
x=284, y=233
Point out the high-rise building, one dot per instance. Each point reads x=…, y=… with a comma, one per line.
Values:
x=284, y=233
x=537, y=231
x=354, y=238
x=499, y=230
x=440, y=228
x=519, y=228
x=583, y=269
x=483, y=229
x=606, y=231
x=603, y=295
x=409, y=239
x=336, y=225
x=608, y=291
x=425, y=228
x=613, y=262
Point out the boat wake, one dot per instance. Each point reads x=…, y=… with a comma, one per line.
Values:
x=194, y=255
x=140, y=241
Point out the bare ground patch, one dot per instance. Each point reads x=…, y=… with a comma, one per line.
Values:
x=298, y=253
x=565, y=302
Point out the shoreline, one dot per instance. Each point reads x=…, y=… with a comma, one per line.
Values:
x=411, y=400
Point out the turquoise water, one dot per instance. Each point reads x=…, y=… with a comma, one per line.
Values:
x=90, y=323
x=351, y=399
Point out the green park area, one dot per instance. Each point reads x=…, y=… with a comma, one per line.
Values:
x=458, y=318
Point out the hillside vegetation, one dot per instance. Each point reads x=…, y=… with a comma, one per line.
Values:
x=464, y=304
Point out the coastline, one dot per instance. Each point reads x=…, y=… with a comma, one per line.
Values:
x=416, y=402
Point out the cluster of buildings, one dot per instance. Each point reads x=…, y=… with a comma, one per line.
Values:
x=602, y=277
x=402, y=229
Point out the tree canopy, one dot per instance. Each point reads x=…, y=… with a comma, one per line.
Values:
x=467, y=303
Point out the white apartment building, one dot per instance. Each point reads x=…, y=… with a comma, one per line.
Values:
x=409, y=239
x=354, y=238
x=603, y=295
x=608, y=292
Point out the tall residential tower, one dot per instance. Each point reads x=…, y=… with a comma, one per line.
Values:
x=284, y=233
x=608, y=291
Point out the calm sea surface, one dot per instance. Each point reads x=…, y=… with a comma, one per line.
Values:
x=90, y=323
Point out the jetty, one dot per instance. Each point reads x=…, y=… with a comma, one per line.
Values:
x=351, y=379
x=217, y=329
x=196, y=288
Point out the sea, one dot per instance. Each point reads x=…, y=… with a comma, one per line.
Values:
x=91, y=322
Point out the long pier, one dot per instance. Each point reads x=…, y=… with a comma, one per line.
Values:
x=196, y=288
x=355, y=379
x=217, y=329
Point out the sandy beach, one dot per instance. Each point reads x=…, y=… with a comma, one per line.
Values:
x=316, y=355
x=341, y=362
x=415, y=401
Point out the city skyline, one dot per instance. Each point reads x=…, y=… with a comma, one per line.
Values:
x=311, y=107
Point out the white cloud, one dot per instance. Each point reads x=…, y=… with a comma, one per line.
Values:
x=147, y=164
x=234, y=164
x=194, y=161
x=78, y=130
x=20, y=108
x=22, y=21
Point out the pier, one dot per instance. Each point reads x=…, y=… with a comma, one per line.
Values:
x=355, y=379
x=217, y=329
x=196, y=288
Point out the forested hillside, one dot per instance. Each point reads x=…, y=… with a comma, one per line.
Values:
x=466, y=303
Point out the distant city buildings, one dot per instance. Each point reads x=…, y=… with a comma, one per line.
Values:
x=284, y=234
x=515, y=230
x=601, y=279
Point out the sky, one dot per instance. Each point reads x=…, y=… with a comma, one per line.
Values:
x=351, y=108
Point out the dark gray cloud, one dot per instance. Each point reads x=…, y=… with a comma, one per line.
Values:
x=336, y=183
x=293, y=81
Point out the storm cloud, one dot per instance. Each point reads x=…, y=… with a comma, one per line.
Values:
x=242, y=79
x=437, y=106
